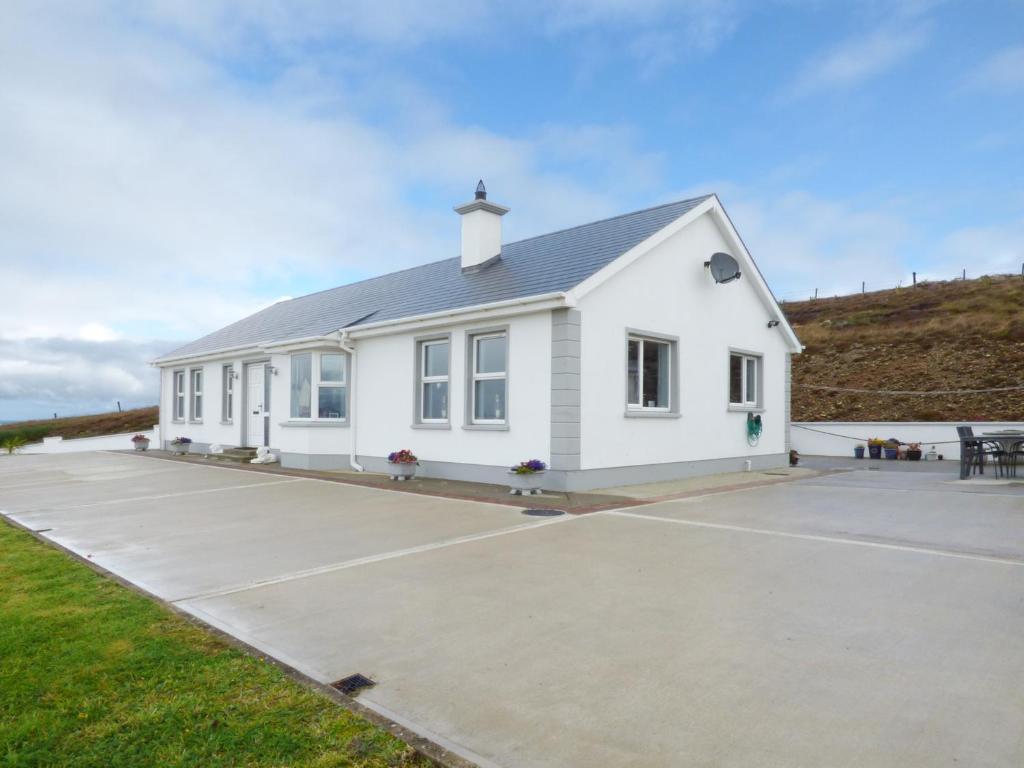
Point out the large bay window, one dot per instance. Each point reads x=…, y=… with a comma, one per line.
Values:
x=648, y=374
x=319, y=378
x=179, y=395
x=433, y=363
x=489, y=378
x=196, y=402
x=744, y=380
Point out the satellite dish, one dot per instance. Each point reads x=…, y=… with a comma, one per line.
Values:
x=723, y=268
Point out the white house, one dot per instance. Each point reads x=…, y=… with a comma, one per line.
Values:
x=608, y=350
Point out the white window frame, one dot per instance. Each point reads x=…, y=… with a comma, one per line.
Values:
x=320, y=384
x=746, y=358
x=315, y=384
x=195, y=380
x=227, y=400
x=668, y=408
x=178, y=395
x=474, y=376
x=423, y=379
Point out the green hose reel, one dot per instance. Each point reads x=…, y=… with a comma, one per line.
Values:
x=754, y=426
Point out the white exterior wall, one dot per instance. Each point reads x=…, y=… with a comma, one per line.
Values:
x=121, y=441
x=385, y=396
x=808, y=437
x=212, y=428
x=385, y=401
x=668, y=291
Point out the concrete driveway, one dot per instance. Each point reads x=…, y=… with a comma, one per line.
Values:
x=866, y=618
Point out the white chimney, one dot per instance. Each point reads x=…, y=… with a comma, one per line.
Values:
x=481, y=229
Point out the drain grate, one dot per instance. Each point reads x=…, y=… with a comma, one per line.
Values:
x=353, y=684
x=543, y=512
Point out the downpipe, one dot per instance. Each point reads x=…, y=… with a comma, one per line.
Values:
x=346, y=344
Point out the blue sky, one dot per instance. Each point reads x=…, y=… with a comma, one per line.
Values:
x=171, y=166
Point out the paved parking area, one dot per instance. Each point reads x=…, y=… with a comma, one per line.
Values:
x=865, y=618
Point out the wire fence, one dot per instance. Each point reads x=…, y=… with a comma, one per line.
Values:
x=909, y=391
x=812, y=294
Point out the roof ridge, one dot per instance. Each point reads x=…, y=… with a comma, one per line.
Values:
x=699, y=198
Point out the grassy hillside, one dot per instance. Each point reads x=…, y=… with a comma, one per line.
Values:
x=933, y=336
x=84, y=426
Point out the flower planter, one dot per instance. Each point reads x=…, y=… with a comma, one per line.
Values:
x=526, y=483
x=913, y=455
x=402, y=470
x=891, y=453
x=179, y=449
x=858, y=453
x=141, y=445
x=875, y=451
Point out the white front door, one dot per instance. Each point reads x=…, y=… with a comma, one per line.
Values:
x=257, y=403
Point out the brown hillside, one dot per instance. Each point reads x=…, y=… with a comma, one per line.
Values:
x=933, y=336
x=134, y=420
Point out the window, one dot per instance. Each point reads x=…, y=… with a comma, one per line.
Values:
x=433, y=365
x=302, y=386
x=227, y=392
x=489, y=378
x=648, y=373
x=320, y=379
x=196, y=409
x=744, y=379
x=179, y=395
x=331, y=390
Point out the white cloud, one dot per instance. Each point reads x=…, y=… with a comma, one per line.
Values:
x=1003, y=72
x=860, y=58
x=802, y=242
x=39, y=376
x=97, y=332
x=150, y=193
x=981, y=250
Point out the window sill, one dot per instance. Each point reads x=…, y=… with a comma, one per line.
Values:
x=226, y=423
x=177, y=421
x=429, y=425
x=733, y=408
x=640, y=414
x=486, y=427
x=195, y=421
x=314, y=424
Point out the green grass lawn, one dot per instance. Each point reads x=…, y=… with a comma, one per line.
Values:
x=93, y=674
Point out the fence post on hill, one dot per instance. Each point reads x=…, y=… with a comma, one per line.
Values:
x=815, y=293
x=862, y=283
x=915, y=277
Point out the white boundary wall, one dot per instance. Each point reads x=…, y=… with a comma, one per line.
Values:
x=809, y=440
x=119, y=442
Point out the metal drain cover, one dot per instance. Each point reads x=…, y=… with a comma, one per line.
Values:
x=353, y=684
x=543, y=512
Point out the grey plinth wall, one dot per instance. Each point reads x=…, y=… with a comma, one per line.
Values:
x=565, y=389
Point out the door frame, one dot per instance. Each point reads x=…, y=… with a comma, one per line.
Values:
x=265, y=362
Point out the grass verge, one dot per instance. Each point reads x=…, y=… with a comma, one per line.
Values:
x=93, y=674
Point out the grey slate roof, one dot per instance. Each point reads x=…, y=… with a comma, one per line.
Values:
x=548, y=263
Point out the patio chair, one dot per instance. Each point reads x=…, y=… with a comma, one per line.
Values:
x=975, y=453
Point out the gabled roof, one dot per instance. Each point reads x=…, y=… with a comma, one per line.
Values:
x=550, y=263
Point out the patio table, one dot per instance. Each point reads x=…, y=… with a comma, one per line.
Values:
x=1008, y=441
